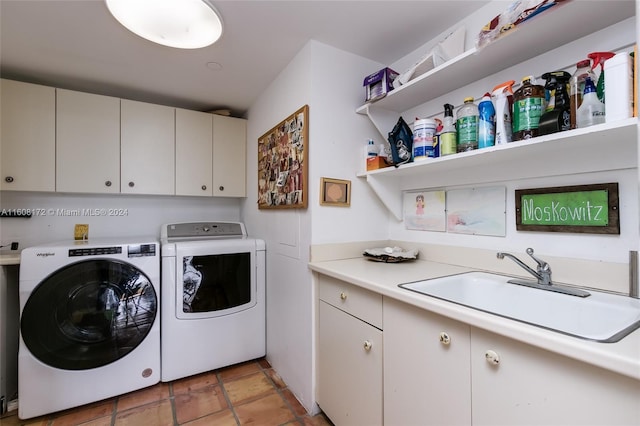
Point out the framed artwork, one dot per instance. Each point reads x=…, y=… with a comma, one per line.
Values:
x=477, y=211
x=283, y=163
x=335, y=192
x=425, y=210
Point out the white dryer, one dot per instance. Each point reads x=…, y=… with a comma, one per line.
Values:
x=89, y=322
x=213, y=297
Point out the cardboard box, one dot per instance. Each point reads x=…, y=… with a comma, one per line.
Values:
x=378, y=84
x=375, y=163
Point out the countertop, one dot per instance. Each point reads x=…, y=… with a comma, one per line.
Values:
x=9, y=259
x=622, y=357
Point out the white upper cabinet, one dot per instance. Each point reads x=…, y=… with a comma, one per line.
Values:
x=147, y=147
x=87, y=142
x=229, y=156
x=194, y=152
x=27, y=147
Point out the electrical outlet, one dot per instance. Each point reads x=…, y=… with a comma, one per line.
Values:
x=14, y=246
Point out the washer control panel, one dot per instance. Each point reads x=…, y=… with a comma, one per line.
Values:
x=94, y=251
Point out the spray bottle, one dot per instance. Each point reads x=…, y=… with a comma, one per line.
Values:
x=502, y=96
x=559, y=117
x=448, y=135
x=599, y=58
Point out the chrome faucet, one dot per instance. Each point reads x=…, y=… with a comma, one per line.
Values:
x=543, y=275
x=543, y=272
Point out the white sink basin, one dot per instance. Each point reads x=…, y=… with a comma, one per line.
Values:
x=602, y=317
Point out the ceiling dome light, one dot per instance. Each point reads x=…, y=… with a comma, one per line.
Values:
x=185, y=24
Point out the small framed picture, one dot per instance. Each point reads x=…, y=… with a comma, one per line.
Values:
x=335, y=192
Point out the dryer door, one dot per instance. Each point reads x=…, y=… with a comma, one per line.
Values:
x=88, y=314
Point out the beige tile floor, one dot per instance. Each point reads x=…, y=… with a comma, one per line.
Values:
x=247, y=393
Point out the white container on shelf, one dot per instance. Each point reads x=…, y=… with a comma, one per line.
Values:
x=618, y=82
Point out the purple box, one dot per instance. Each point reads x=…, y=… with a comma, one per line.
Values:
x=378, y=84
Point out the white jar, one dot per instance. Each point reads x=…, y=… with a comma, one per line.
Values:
x=424, y=130
x=618, y=83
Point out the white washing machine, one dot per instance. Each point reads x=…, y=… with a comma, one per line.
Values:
x=89, y=322
x=213, y=297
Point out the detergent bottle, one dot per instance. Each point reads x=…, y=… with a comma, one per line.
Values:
x=528, y=104
x=599, y=58
x=502, y=96
x=467, y=125
x=486, y=122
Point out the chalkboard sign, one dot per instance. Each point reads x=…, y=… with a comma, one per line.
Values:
x=584, y=208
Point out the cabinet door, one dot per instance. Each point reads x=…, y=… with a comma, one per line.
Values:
x=229, y=156
x=28, y=120
x=87, y=142
x=531, y=386
x=427, y=376
x=194, y=150
x=147, y=146
x=349, y=368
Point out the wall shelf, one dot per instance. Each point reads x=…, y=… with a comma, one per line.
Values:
x=608, y=146
x=533, y=38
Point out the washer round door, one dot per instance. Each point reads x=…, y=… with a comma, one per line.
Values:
x=88, y=314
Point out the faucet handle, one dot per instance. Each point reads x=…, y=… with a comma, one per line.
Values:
x=542, y=265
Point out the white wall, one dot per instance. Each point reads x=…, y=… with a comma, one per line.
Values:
x=287, y=236
x=330, y=82
x=141, y=215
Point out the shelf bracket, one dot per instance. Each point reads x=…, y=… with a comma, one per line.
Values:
x=389, y=193
x=383, y=119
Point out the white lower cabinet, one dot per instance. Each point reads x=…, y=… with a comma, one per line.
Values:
x=427, y=374
x=440, y=371
x=349, y=354
x=531, y=386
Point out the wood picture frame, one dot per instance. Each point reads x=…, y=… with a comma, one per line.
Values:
x=584, y=209
x=335, y=192
x=283, y=156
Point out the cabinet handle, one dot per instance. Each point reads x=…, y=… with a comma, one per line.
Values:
x=343, y=296
x=107, y=183
x=444, y=338
x=367, y=345
x=204, y=187
x=492, y=357
x=131, y=184
x=221, y=188
x=8, y=179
